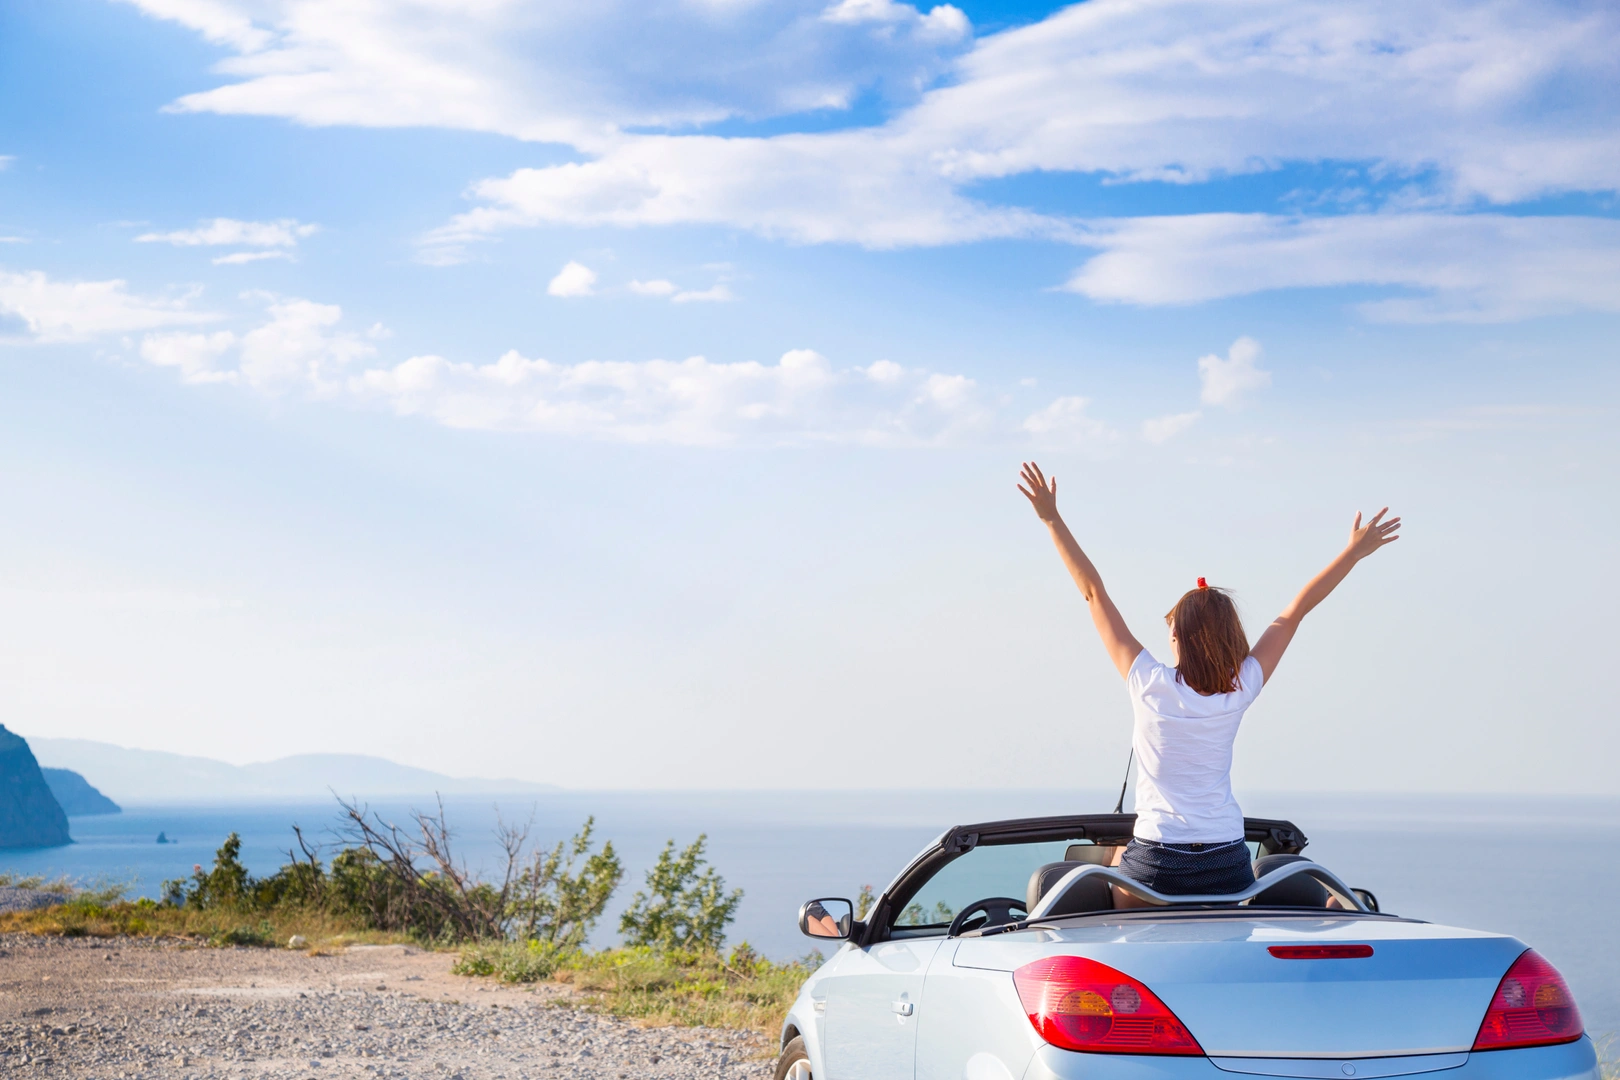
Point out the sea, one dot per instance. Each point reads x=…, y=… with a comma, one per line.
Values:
x=1544, y=869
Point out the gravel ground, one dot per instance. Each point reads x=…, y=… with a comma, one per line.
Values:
x=134, y=1009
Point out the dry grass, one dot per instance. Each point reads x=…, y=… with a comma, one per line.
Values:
x=90, y=916
x=742, y=991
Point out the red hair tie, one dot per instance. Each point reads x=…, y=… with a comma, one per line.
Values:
x=1202, y=584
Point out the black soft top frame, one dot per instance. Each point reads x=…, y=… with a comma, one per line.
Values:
x=1275, y=837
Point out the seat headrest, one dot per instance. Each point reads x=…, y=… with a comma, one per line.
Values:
x=1090, y=895
x=1297, y=891
x=1097, y=854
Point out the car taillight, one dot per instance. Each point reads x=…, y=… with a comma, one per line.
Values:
x=1532, y=1007
x=1079, y=1004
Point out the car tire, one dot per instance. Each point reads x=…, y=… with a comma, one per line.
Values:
x=794, y=1064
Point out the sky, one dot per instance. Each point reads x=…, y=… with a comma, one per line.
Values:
x=630, y=395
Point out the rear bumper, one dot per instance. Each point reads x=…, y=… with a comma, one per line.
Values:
x=1571, y=1061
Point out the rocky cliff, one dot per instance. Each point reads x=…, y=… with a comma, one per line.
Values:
x=76, y=795
x=30, y=816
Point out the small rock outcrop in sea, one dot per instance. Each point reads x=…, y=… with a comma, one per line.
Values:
x=30, y=816
x=75, y=794
x=163, y=838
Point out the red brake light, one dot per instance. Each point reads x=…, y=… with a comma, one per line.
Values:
x=1532, y=1007
x=1079, y=1004
x=1320, y=952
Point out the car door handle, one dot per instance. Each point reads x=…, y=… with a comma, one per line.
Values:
x=902, y=1007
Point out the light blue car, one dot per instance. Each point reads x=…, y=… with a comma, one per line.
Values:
x=998, y=954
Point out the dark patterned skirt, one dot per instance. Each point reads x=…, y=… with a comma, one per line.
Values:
x=1188, y=869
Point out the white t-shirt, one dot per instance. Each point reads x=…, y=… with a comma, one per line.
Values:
x=1183, y=744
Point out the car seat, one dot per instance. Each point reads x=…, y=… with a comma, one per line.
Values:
x=1297, y=891
x=1091, y=894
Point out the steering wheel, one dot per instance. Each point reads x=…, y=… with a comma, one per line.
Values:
x=994, y=910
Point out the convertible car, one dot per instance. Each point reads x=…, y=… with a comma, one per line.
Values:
x=999, y=954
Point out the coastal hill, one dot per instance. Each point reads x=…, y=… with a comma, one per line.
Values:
x=76, y=795
x=30, y=816
x=157, y=776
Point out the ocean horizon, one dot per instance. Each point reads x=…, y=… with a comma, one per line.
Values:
x=1493, y=863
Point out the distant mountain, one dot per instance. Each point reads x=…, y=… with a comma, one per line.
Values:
x=30, y=816
x=75, y=794
x=157, y=776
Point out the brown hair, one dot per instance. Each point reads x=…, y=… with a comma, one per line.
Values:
x=1209, y=640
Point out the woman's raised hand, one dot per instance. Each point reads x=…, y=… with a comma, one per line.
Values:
x=1368, y=538
x=1042, y=495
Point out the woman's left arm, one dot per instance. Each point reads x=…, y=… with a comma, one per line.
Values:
x=1364, y=540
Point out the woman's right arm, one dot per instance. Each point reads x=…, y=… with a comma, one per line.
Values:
x=1122, y=646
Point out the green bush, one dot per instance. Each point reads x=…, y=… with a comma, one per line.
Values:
x=375, y=882
x=227, y=884
x=682, y=910
x=554, y=904
x=513, y=961
x=263, y=934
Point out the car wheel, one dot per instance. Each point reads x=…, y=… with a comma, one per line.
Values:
x=794, y=1064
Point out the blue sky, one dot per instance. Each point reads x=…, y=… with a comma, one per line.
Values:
x=631, y=395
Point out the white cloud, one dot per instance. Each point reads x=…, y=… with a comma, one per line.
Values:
x=943, y=23
x=1066, y=422
x=300, y=347
x=800, y=398
x=1226, y=382
x=656, y=287
x=1141, y=89
x=1178, y=90
x=69, y=311
x=223, y=232
x=1470, y=267
x=195, y=356
x=715, y=293
x=843, y=187
x=6, y=161
x=237, y=258
x=719, y=292
x=1498, y=102
x=220, y=21
x=574, y=279
x=1162, y=429
x=570, y=73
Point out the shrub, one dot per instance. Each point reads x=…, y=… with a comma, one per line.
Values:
x=262, y=934
x=377, y=880
x=512, y=961
x=226, y=885
x=555, y=905
x=682, y=909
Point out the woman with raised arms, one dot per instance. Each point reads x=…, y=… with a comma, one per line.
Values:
x=1189, y=829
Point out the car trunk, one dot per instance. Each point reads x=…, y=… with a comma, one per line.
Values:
x=1423, y=990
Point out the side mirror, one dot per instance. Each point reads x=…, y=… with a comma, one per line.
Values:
x=1366, y=898
x=828, y=919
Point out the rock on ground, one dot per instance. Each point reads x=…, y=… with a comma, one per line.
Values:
x=129, y=1009
x=17, y=898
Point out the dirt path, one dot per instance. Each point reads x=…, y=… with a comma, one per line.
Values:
x=130, y=1009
